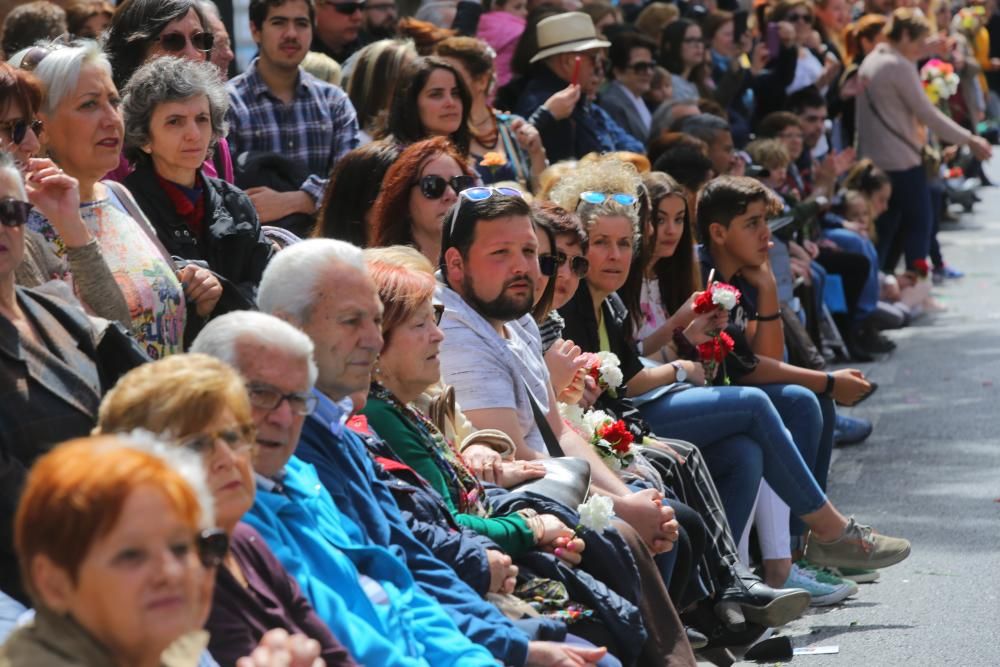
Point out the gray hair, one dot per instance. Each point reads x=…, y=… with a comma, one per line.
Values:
x=436, y=12
x=170, y=79
x=704, y=126
x=59, y=71
x=8, y=165
x=221, y=336
x=291, y=280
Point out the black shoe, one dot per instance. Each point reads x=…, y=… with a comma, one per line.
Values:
x=869, y=337
x=695, y=638
x=857, y=351
x=761, y=604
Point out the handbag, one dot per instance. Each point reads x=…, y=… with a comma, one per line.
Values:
x=930, y=157
x=566, y=481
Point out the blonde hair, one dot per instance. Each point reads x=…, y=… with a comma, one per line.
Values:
x=405, y=282
x=607, y=174
x=909, y=21
x=654, y=18
x=323, y=67
x=550, y=178
x=769, y=153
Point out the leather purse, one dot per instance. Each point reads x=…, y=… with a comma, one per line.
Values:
x=566, y=481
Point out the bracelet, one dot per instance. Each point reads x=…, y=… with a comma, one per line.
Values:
x=534, y=522
x=830, y=381
x=768, y=318
x=685, y=349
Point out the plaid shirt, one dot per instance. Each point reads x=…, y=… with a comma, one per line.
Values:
x=317, y=128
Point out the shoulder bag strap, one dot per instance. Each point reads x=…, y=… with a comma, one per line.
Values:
x=896, y=133
x=132, y=208
x=551, y=442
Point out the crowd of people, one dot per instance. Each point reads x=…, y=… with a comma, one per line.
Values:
x=456, y=333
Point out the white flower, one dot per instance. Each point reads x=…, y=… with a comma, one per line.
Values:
x=725, y=296
x=596, y=513
x=610, y=369
x=593, y=419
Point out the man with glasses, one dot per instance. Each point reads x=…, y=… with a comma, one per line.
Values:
x=632, y=66
x=277, y=107
x=338, y=28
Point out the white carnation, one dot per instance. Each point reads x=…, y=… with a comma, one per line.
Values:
x=611, y=373
x=593, y=419
x=726, y=298
x=596, y=513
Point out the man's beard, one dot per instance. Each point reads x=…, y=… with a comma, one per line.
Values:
x=503, y=308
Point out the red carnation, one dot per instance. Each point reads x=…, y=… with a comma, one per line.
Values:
x=618, y=435
x=703, y=302
x=726, y=344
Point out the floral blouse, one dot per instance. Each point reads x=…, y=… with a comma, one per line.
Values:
x=654, y=315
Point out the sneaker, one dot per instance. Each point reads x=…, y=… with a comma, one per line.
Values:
x=821, y=594
x=856, y=574
x=826, y=576
x=850, y=430
x=859, y=546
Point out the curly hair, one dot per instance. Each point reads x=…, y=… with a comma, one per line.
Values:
x=599, y=174
x=391, y=221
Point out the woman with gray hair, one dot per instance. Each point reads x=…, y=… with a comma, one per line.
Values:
x=174, y=114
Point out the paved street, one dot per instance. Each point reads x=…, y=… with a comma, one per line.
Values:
x=931, y=473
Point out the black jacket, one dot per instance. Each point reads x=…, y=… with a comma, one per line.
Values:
x=233, y=245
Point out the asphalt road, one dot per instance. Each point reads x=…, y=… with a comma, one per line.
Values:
x=930, y=473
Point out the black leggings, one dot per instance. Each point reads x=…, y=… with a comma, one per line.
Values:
x=853, y=269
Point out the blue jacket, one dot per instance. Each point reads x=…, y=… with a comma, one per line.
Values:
x=363, y=591
x=348, y=474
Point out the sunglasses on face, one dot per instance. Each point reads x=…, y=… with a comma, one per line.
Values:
x=266, y=397
x=239, y=438
x=477, y=195
x=622, y=198
x=433, y=187
x=174, y=42
x=13, y=212
x=550, y=263
x=212, y=544
x=642, y=68
x=346, y=8
x=18, y=129
x=798, y=18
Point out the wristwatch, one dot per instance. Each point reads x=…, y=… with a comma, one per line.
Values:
x=682, y=374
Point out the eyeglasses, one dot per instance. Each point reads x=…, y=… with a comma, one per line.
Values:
x=13, y=212
x=241, y=439
x=478, y=195
x=174, y=42
x=799, y=18
x=691, y=41
x=212, y=545
x=622, y=198
x=346, y=8
x=550, y=263
x=18, y=129
x=266, y=397
x=433, y=187
x=639, y=68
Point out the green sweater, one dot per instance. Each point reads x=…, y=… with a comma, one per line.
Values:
x=510, y=532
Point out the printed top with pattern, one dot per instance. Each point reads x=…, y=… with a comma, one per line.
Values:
x=150, y=286
x=654, y=315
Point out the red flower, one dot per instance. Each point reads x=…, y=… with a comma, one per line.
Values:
x=618, y=435
x=726, y=344
x=703, y=302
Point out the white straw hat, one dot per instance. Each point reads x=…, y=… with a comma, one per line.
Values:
x=571, y=32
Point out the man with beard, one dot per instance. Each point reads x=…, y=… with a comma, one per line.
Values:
x=379, y=22
x=277, y=107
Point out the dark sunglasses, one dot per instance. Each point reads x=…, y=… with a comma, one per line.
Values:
x=438, y=313
x=212, y=544
x=798, y=18
x=550, y=263
x=174, y=42
x=19, y=129
x=639, y=68
x=347, y=8
x=13, y=212
x=433, y=187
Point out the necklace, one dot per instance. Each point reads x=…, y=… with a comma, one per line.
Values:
x=491, y=137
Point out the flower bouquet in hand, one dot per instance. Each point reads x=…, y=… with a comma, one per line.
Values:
x=712, y=353
x=940, y=82
x=613, y=442
x=605, y=368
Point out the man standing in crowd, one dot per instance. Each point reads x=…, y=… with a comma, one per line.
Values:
x=338, y=27
x=277, y=107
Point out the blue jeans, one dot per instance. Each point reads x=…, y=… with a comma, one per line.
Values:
x=743, y=439
x=853, y=242
x=909, y=214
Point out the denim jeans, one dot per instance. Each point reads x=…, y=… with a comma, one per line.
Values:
x=909, y=215
x=743, y=439
x=853, y=242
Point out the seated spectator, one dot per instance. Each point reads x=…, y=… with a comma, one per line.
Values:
x=323, y=67
x=107, y=527
x=556, y=95
x=654, y=18
x=142, y=30
x=527, y=46
x=175, y=112
x=602, y=14
x=682, y=53
x=88, y=19
x=660, y=91
x=338, y=26
x=371, y=67
x=31, y=22
x=379, y=20
x=670, y=115
x=276, y=107
x=418, y=191
x=734, y=67
x=716, y=134
x=212, y=418
x=351, y=194
x=687, y=162
x=222, y=54
x=159, y=297
x=772, y=156
x=424, y=34
x=501, y=28
x=632, y=66
x=433, y=101
x=513, y=145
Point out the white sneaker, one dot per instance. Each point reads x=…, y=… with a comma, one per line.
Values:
x=821, y=594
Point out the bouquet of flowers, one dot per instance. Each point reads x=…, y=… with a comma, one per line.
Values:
x=605, y=368
x=613, y=442
x=718, y=295
x=940, y=81
x=712, y=353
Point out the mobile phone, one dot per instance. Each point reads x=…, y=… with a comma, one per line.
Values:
x=740, y=24
x=773, y=40
x=576, y=71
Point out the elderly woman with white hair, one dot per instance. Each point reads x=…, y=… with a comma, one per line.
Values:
x=175, y=113
x=83, y=136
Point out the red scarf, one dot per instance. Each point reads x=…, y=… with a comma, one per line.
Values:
x=192, y=213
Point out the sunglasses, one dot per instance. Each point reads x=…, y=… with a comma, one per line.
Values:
x=550, y=263
x=266, y=397
x=13, y=212
x=433, y=187
x=240, y=439
x=174, y=42
x=639, y=68
x=212, y=545
x=622, y=198
x=18, y=129
x=346, y=8
x=798, y=18
x=477, y=195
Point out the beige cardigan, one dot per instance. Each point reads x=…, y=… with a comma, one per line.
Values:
x=894, y=86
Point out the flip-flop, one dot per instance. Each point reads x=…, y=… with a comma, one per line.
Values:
x=864, y=397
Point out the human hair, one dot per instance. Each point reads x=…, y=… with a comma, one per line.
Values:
x=908, y=21
x=769, y=153
x=671, y=44
x=175, y=396
x=404, y=124
x=374, y=65
x=352, y=191
x=221, y=337
x=604, y=174
x=677, y=276
x=19, y=88
x=164, y=80
x=667, y=140
x=551, y=175
x=866, y=178
x=554, y=221
x=727, y=197
x=424, y=34
x=654, y=18
x=391, y=222
x=74, y=496
x=704, y=126
x=621, y=47
x=527, y=44
x=462, y=234
x=31, y=22
x=59, y=71
x=404, y=283
x=259, y=10
x=293, y=277
x=81, y=11
x=475, y=55
x=597, y=10
x=713, y=22
x=687, y=163
x=869, y=27
x=323, y=67
x=805, y=98
x=8, y=165
x=435, y=11
x=781, y=10
x=135, y=25
x=777, y=122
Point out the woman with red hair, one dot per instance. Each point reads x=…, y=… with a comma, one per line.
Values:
x=417, y=193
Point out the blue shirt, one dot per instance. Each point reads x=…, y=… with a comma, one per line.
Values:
x=317, y=128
